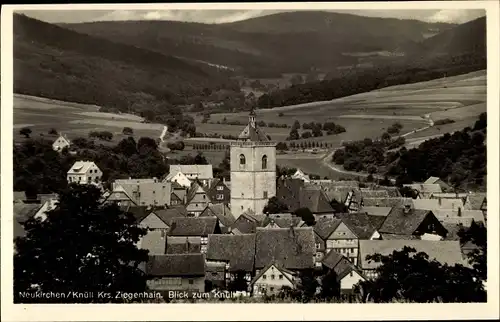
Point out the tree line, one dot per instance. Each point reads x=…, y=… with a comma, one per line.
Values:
x=316, y=130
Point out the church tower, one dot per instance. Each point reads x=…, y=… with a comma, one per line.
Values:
x=253, y=170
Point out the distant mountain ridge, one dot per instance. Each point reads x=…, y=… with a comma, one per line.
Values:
x=290, y=42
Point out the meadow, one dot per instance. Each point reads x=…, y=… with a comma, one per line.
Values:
x=74, y=120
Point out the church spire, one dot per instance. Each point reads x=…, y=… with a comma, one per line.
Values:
x=251, y=118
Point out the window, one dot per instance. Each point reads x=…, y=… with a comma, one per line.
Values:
x=220, y=188
x=271, y=289
x=191, y=282
x=351, y=274
x=204, y=197
x=264, y=162
x=264, y=277
x=220, y=197
x=241, y=207
x=265, y=194
x=280, y=277
x=318, y=245
x=214, y=274
x=272, y=276
x=242, y=160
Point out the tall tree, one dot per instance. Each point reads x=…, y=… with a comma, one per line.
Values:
x=83, y=245
x=306, y=215
x=275, y=206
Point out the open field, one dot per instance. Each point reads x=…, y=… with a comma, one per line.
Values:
x=74, y=120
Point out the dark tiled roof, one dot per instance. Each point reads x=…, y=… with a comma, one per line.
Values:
x=368, y=193
x=222, y=212
x=181, y=209
x=332, y=259
x=361, y=224
x=376, y=211
x=176, y=265
x=288, y=192
x=401, y=223
x=192, y=226
x=384, y=202
x=139, y=212
x=166, y=215
x=238, y=250
x=253, y=133
x=476, y=200
x=248, y=222
x=286, y=222
x=324, y=227
x=183, y=245
x=315, y=200
x=385, y=236
x=291, y=248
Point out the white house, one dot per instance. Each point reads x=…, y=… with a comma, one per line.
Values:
x=84, y=172
x=301, y=175
x=201, y=172
x=60, y=143
x=271, y=279
x=179, y=177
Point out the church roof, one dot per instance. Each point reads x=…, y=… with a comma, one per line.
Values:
x=252, y=132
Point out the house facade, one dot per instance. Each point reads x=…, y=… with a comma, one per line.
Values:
x=219, y=192
x=144, y=192
x=179, y=178
x=84, y=172
x=196, y=200
x=271, y=280
x=60, y=143
x=200, y=172
x=344, y=241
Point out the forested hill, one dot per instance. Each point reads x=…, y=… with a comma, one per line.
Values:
x=290, y=42
x=54, y=62
x=459, y=50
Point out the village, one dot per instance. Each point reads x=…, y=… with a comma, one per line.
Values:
x=256, y=232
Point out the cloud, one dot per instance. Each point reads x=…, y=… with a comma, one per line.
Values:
x=456, y=16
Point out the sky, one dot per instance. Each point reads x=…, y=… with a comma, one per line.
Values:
x=224, y=16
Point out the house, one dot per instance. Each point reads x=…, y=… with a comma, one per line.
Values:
x=436, y=180
x=201, y=172
x=424, y=190
x=271, y=279
x=376, y=211
x=218, y=192
x=439, y=203
x=291, y=248
x=348, y=275
x=84, y=172
x=336, y=235
x=215, y=275
x=248, y=222
x=176, y=272
x=179, y=178
x=222, y=213
x=464, y=217
x=363, y=225
x=236, y=252
x=60, y=143
x=183, y=245
x=120, y=196
x=196, y=199
x=410, y=221
x=143, y=192
x=195, y=226
x=178, y=195
x=295, y=194
x=315, y=200
x=445, y=252
x=301, y=176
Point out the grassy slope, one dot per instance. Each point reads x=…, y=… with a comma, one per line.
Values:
x=53, y=62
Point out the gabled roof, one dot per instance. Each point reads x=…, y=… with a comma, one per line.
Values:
x=181, y=265
x=119, y=194
x=238, y=250
x=315, y=200
x=443, y=203
x=401, y=223
x=81, y=167
x=183, y=245
x=192, y=226
x=139, y=212
x=203, y=171
x=361, y=224
x=221, y=211
x=432, y=180
x=445, y=252
x=24, y=211
x=247, y=223
x=167, y=214
x=195, y=189
x=291, y=248
x=278, y=267
x=340, y=265
x=326, y=226
x=376, y=211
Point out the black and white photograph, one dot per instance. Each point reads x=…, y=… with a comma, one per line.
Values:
x=249, y=156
